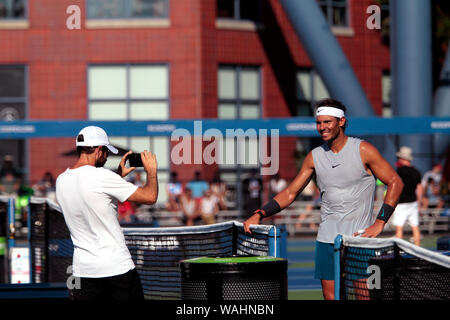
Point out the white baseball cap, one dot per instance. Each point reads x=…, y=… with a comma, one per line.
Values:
x=93, y=136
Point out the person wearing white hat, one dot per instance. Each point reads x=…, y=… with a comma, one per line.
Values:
x=87, y=194
x=407, y=209
x=345, y=169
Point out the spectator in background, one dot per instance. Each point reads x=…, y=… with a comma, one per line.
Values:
x=189, y=207
x=174, y=191
x=208, y=207
x=45, y=187
x=276, y=184
x=252, y=189
x=131, y=208
x=136, y=178
x=431, y=183
x=127, y=212
x=408, y=205
x=198, y=186
x=445, y=181
x=311, y=195
x=10, y=179
x=219, y=189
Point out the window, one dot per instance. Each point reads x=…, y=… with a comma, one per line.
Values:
x=13, y=101
x=239, y=97
x=13, y=9
x=386, y=86
x=335, y=11
x=132, y=92
x=310, y=89
x=239, y=92
x=127, y=9
x=385, y=28
x=239, y=9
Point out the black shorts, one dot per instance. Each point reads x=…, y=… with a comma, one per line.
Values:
x=126, y=286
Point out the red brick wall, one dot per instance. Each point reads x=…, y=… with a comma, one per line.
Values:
x=57, y=60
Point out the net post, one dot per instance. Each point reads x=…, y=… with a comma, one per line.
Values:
x=46, y=252
x=397, y=272
x=11, y=235
x=30, y=252
x=283, y=242
x=337, y=266
x=234, y=244
x=11, y=222
x=274, y=242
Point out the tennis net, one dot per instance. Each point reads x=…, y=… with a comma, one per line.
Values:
x=3, y=239
x=156, y=252
x=51, y=248
x=389, y=269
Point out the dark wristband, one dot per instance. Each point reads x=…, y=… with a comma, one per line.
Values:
x=385, y=212
x=261, y=213
x=269, y=209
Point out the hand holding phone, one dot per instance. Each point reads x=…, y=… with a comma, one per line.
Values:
x=134, y=160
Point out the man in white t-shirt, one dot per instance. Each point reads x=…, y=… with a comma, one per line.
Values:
x=88, y=195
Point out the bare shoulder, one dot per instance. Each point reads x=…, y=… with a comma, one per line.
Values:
x=369, y=152
x=309, y=161
x=366, y=148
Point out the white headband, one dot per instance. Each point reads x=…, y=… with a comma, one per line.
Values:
x=330, y=111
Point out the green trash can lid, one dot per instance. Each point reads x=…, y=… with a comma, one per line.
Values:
x=234, y=259
x=255, y=265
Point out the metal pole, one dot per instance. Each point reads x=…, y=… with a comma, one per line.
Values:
x=332, y=64
x=442, y=104
x=412, y=75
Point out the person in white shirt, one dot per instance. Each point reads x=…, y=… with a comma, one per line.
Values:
x=208, y=207
x=88, y=195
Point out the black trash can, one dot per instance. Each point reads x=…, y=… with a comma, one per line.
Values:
x=234, y=278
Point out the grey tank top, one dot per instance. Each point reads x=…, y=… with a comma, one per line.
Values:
x=347, y=191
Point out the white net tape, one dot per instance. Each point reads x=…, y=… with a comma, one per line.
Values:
x=376, y=243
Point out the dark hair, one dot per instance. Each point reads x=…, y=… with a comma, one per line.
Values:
x=86, y=150
x=335, y=104
x=89, y=150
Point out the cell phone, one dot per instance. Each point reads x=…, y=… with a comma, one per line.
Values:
x=134, y=160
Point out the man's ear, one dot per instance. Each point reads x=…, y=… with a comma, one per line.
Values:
x=342, y=121
x=98, y=150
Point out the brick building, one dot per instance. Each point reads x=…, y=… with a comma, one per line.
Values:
x=168, y=59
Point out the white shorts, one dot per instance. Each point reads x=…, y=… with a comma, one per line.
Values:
x=406, y=212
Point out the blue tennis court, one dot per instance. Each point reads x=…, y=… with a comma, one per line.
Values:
x=301, y=265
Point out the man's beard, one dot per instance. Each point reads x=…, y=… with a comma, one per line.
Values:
x=100, y=163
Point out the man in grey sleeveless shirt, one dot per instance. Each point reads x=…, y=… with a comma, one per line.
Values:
x=345, y=169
